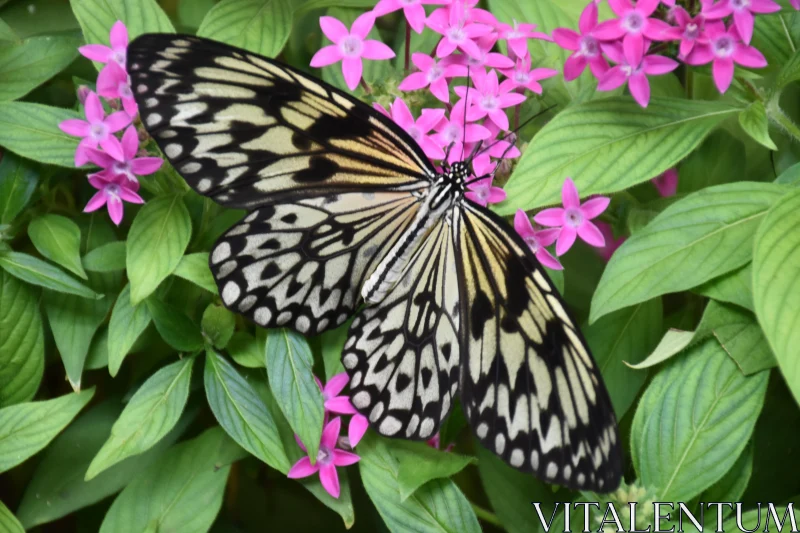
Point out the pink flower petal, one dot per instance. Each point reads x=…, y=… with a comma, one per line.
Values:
x=130, y=107
x=475, y=198
x=647, y=7
x=414, y=81
x=81, y=157
x=99, y=158
x=415, y=15
x=331, y=433
x=130, y=143
x=594, y=207
x=401, y=114
x=329, y=479
x=376, y=50
x=116, y=121
x=115, y=209
x=591, y=234
x=327, y=55
x=95, y=202
x=75, y=127
x=553, y=216
x=302, y=468
x=333, y=29
x=109, y=79
x=569, y=194
x=496, y=195
x=343, y=458
x=118, y=35
x=749, y=56
x=96, y=52
x=565, y=240
x=440, y=90
x=610, y=30
x=340, y=405
x=588, y=19
x=598, y=66
x=619, y=7
x=114, y=148
x=640, y=89
x=429, y=118
x=657, y=65
x=633, y=48
x=499, y=117
x=363, y=24
x=612, y=79
x=768, y=6
x=701, y=55
x=546, y=237
x=93, y=108
x=546, y=259
x=723, y=73
x=386, y=6
x=336, y=384
x=522, y=224
x=352, y=68
x=142, y=166
x=744, y=24
x=566, y=38
x=358, y=426
x=130, y=196
x=574, y=66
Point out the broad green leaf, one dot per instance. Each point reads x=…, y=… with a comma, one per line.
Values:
x=9, y=522
x=776, y=282
x=693, y=422
x=127, y=322
x=150, y=414
x=438, y=506
x=26, y=64
x=241, y=413
x=246, y=350
x=732, y=485
x=734, y=287
x=289, y=363
x=37, y=272
x=192, y=12
x=672, y=343
x=58, y=488
x=156, y=242
x=625, y=335
x=21, y=342
x=609, y=145
x=59, y=240
x=790, y=176
x=182, y=491
x=775, y=37
x=738, y=333
x=260, y=26
x=109, y=257
x=38, y=17
x=98, y=351
x=6, y=33
x=26, y=428
x=699, y=237
x=332, y=345
x=218, y=324
x=753, y=121
x=174, y=326
x=720, y=158
x=418, y=463
x=311, y=5
x=18, y=180
x=194, y=268
x=31, y=130
x=790, y=71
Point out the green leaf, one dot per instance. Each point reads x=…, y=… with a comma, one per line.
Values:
x=289, y=368
x=194, y=268
x=26, y=64
x=790, y=176
x=260, y=26
x=246, y=350
x=699, y=237
x=192, y=12
x=719, y=159
x=438, y=506
x=790, y=71
x=182, y=491
x=31, y=130
x=156, y=242
x=21, y=343
x=332, y=345
x=311, y=5
x=109, y=257
x=150, y=414
x=6, y=33
x=37, y=272
x=625, y=335
x=59, y=240
x=241, y=413
x=672, y=343
x=418, y=463
x=609, y=145
x=754, y=122
x=776, y=282
x=700, y=410
x=174, y=326
x=218, y=324
x=8, y=522
x=734, y=287
x=738, y=334
x=98, y=351
x=18, y=180
x=26, y=428
x=127, y=322
x=732, y=485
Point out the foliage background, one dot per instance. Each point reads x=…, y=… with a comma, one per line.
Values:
x=702, y=297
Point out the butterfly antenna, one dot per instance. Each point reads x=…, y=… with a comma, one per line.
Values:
x=518, y=128
x=496, y=165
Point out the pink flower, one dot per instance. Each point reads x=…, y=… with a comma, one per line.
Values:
x=350, y=47
x=500, y=148
x=116, y=53
x=111, y=193
x=412, y=9
x=612, y=243
x=489, y=98
x=452, y=131
x=435, y=442
x=537, y=240
x=725, y=48
x=456, y=30
x=97, y=129
x=419, y=129
x=485, y=57
x=666, y=183
x=517, y=35
x=522, y=75
x=743, y=11
x=795, y=4
x=633, y=68
x=480, y=186
x=689, y=31
x=633, y=25
x=334, y=403
x=114, y=82
x=574, y=218
x=328, y=458
x=586, y=47
x=130, y=166
x=432, y=73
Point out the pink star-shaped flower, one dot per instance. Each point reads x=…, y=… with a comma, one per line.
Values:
x=349, y=47
x=485, y=57
x=481, y=190
x=689, y=31
x=574, y=218
x=743, y=12
x=114, y=82
x=419, y=129
x=333, y=402
x=432, y=73
x=412, y=9
x=537, y=240
x=130, y=166
x=452, y=131
x=517, y=34
x=633, y=25
x=667, y=183
x=584, y=44
x=111, y=193
x=522, y=75
x=725, y=48
x=116, y=53
x=633, y=67
x=489, y=98
x=96, y=130
x=503, y=147
x=456, y=30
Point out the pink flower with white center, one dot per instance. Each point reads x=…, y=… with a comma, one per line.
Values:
x=489, y=98
x=522, y=75
x=612, y=243
x=350, y=47
x=111, y=193
x=517, y=35
x=480, y=188
x=537, y=240
x=333, y=402
x=633, y=67
x=743, y=12
x=666, y=183
x=130, y=166
x=690, y=31
x=574, y=218
x=434, y=74
x=485, y=58
x=724, y=49
x=452, y=131
x=457, y=32
x=419, y=129
x=412, y=9
x=328, y=458
x=117, y=52
x=96, y=130
x=633, y=25
x=114, y=82
x=584, y=44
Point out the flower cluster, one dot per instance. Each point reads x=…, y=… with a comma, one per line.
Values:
x=117, y=157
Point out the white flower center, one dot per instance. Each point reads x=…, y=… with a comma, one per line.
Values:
x=119, y=56
x=457, y=34
x=434, y=73
x=724, y=46
x=325, y=455
x=521, y=77
x=489, y=103
x=414, y=132
x=573, y=217
x=483, y=192
x=691, y=31
x=125, y=90
x=98, y=131
x=514, y=34
x=351, y=46
x=112, y=190
x=452, y=133
x=121, y=168
x=408, y=2
x=532, y=243
x=633, y=22
x=740, y=5
x=588, y=47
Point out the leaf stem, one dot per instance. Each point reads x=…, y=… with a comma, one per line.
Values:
x=365, y=86
x=408, y=45
x=776, y=114
x=486, y=515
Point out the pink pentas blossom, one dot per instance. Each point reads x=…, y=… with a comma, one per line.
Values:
x=480, y=188
x=633, y=68
x=689, y=31
x=117, y=52
x=456, y=30
x=611, y=244
x=743, y=12
x=453, y=131
x=634, y=24
x=432, y=73
x=334, y=402
x=795, y=4
x=111, y=193
x=537, y=240
x=574, y=218
x=485, y=57
x=585, y=45
x=489, y=98
x=725, y=48
x=328, y=458
x=523, y=76
x=130, y=166
x=517, y=34
x=412, y=9
x=419, y=129
x=97, y=129
x=114, y=82
x=350, y=46
x=667, y=183
x=503, y=147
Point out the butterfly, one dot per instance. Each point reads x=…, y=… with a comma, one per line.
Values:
x=348, y=217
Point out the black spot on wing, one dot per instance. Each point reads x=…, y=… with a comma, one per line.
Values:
x=482, y=311
x=319, y=169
